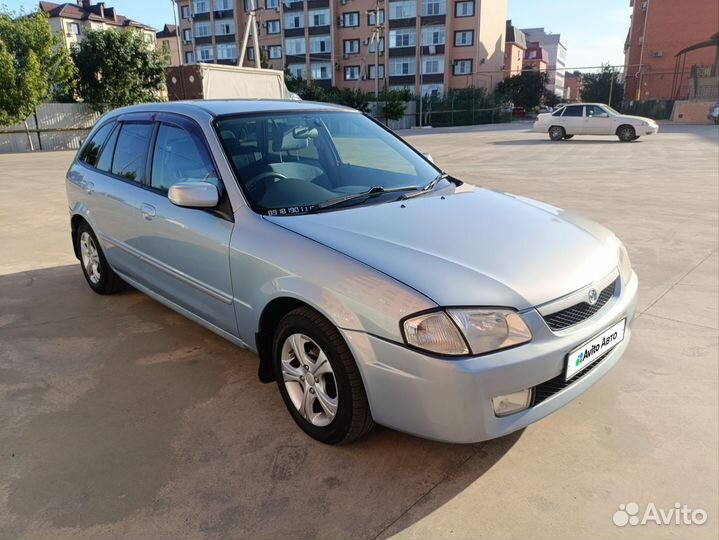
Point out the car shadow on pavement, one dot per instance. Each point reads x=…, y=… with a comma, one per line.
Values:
x=540, y=142
x=120, y=418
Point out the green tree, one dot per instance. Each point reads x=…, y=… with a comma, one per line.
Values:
x=357, y=99
x=524, y=90
x=597, y=87
x=33, y=65
x=117, y=69
x=395, y=103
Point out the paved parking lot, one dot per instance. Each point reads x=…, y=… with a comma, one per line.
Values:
x=120, y=419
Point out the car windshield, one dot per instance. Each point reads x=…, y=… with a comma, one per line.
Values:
x=610, y=110
x=292, y=163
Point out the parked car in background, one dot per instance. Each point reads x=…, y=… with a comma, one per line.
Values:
x=373, y=286
x=545, y=109
x=714, y=113
x=593, y=119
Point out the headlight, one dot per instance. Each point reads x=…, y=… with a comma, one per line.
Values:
x=485, y=330
x=491, y=329
x=625, y=265
x=645, y=123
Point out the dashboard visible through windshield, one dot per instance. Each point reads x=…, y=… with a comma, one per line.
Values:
x=295, y=163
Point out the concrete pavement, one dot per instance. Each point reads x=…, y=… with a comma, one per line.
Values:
x=121, y=419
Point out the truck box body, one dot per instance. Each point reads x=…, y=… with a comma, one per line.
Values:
x=212, y=81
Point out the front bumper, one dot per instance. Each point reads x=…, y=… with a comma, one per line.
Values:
x=451, y=400
x=650, y=129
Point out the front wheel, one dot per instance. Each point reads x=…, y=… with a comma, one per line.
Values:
x=318, y=379
x=626, y=133
x=556, y=133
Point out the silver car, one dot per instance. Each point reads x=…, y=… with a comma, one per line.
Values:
x=373, y=286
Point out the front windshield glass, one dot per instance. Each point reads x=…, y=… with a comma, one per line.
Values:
x=294, y=162
x=610, y=110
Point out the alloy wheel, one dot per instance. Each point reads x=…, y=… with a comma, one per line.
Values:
x=90, y=257
x=309, y=380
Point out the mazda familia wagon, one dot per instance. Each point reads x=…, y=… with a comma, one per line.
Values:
x=373, y=286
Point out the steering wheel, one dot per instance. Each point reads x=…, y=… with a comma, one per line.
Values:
x=254, y=182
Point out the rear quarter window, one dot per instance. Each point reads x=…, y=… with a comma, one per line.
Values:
x=92, y=148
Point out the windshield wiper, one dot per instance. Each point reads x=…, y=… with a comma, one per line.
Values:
x=429, y=187
x=375, y=190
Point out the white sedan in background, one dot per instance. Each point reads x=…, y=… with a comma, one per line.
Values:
x=593, y=119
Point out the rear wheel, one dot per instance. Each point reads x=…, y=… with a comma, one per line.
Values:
x=626, y=133
x=98, y=274
x=557, y=133
x=318, y=379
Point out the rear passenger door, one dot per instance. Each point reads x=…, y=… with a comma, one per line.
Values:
x=187, y=249
x=573, y=119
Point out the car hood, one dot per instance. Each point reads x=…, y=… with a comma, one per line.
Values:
x=634, y=119
x=470, y=247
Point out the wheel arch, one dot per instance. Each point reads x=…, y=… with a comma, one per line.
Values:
x=620, y=126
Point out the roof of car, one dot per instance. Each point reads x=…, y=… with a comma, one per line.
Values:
x=217, y=107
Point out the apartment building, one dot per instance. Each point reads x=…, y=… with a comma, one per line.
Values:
x=168, y=42
x=556, y=51
x=672, y=50
x=432, y=45
x=515, y=48
x=536, y=57
x=73, y=20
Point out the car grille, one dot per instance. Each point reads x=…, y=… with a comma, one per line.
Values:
x=548, y=388
x=579, y=312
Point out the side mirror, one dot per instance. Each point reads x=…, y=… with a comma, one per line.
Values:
x=428, y=157
x=194, y=195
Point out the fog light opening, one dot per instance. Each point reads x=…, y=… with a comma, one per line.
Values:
x=512, y=403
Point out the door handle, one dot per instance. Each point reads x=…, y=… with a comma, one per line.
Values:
x=89, y=187
x=148, y=211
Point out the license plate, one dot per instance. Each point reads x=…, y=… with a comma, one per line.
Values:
x=584, y=356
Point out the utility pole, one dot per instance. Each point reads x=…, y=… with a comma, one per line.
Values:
x=177, y=33
x=251, y=26
x=611, y=88
x=421, y=70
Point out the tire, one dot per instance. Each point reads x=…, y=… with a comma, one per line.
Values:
x=331, y=405
x=557, y=133
x=567, y=137
x=626, y=133
x=99, y=276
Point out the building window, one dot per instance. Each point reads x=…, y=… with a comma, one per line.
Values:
x=433, y=64
x=189, y=57
x=350, y=19
x=202, y=29
x=274, y=52
x=273, y=27
x=165, y=44
x=272, y=4
x=200, y=6
x=404, y=9
x=206, y=54
x=352, y=73
x=373, y=46
x=464, y=38
x=298, y=71
x=73, y=28
x=371, y=71
x=434, y=7
x=185, y=12
x=222, y=5
x=250, y=53
x=405, y=37
x=224, y=27
x=249, y=4
x=294, y=20
x=319, y=17
x=351, y=46
x=433, y=35
x=295, y=45
x=462, y=67
x=320, y=44
x=372, y=20
x=402, y=66
x=321, y=70
x=187, y=35
x=227, y=51
x=464, y=9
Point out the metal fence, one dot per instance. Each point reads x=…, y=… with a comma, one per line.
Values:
x=658, y=109
x=54, y=126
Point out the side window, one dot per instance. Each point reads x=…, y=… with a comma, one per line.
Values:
x=104, y=161
x=131, y=151
x=180, y=157
x=92, y=149
x=575, y=110
x=593, y=110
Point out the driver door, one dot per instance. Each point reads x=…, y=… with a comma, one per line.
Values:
x=187, y=248
x=597, y=121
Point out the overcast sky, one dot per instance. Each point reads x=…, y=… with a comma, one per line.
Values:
x=593, y=30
